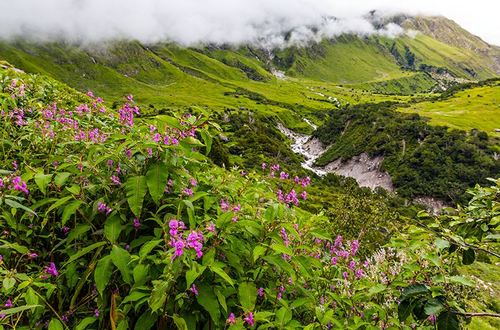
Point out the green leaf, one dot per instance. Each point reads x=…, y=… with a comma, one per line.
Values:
x=247, y=293
x=83, y=252
x=404, y=310
x=17, y=205
x=61, y=178
x=180, y=323
x=442, y=244
x=42, y=181
x=146, y=321
x=148, y=247
x=468, y=256
x=156, y=179
x=219, y=271
x=193, y=273
x=414, y=290
x=207, y=299
x=258, y=251
x=280, y=248
x=55, y=324
x=460, y=280
x=77, y=232
x=448, y=321
x=15, y=310
x=102, y=273
x=433, y=306
x=69, y=210
x=140, y=274
x=121, y=258
x=85, y=323
x=136, y=188
x=58, y=203
x=112, y=228
x=207, y=139
x=159, y=294
x=283, y=316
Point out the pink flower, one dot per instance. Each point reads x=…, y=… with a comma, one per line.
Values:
x=359, y=273
x=194, y=290
x=264, y=166
x=231, y=319
x=8, y=303
x=193, y=182
x=354, y=247
x=224, y=205
x=137, y=224
x=187, y=192
x=237, y=208
x=116, y=180
x=51, y=269
x=211, y=227
x=96, y=312
x=303, y=195
x=260, y=292
x=284, y=176
x=334, y=261
x=249, y=319
x=20, y=185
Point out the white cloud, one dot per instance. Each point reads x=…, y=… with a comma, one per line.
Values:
x=217, y=21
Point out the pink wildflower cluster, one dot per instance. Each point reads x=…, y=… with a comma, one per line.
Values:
x=248, y=318
x=179, y=240
x=93, y=135
x=104, y=208
x=20, y=185
x=16, y=89
x=226, y=207
x=128, y=111
x=345, y=253
x=51, y=269
x=290, y=196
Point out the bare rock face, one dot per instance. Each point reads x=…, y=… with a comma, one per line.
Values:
x=432, y=205
x=364, y=169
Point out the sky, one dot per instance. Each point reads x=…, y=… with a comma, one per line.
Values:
x=192, y=22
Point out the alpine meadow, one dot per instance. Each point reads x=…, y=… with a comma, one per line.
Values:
x=300, y=164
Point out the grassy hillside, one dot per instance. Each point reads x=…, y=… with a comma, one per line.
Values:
x=477, y=108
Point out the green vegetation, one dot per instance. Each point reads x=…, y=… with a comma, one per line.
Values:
x=115, y=221
x=422, y=160
x=474, y=108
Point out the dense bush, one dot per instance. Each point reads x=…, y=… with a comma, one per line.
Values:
x=423, y=160
x=110, y=221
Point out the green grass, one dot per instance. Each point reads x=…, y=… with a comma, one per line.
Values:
x=474, y=108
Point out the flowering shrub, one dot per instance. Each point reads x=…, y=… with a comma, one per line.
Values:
x=113, y=221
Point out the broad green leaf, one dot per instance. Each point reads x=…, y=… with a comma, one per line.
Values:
x=102, y=273
x=136, y=188
x=193, y=273
x=77, y=232
x=69, y=210
x=156, y=179
x=159, y=294
x=468, y=256
x=180, y=323
x=121, y=258
x=42, y=181
x=448, y=321
x=207, y=139
x=414, y=290
x=58, y=203
x=219, y=271
x=148, y=247
x=55, y=324
x=404, y=310
x=83, y=252
x=207, y=299
x=461, y=280
x=61, y=178
x=433, y=307
x=247, y=293
x=280, y=248
x=83, y=324
x=17, y=205
x=16, y=310
x=140, y=273
x=258, y=251
x=113, y=228
x=146, y=321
